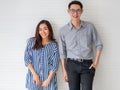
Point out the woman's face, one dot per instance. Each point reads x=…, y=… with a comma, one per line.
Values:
x=43, y=31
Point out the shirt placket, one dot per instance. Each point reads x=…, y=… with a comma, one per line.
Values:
x=78, y=41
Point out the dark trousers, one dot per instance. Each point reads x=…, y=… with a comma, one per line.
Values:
x=79, y=74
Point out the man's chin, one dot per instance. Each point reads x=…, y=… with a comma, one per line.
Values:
x=75, y=19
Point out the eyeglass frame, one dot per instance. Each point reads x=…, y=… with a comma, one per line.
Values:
x=75, y=11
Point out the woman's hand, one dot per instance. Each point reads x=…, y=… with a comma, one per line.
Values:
x=46, y=83
x=36, y=79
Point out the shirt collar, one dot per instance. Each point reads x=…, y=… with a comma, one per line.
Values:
x=71, y=26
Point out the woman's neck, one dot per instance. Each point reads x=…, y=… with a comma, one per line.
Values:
x=45, y=41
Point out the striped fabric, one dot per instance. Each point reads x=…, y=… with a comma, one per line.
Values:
x=43, y=60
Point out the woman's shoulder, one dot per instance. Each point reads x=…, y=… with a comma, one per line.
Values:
x=31, y=39
x=54, y=44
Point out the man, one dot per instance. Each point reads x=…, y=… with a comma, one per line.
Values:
x=76, y=42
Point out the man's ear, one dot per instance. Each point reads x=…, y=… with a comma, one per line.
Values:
x=81, y=10
x=68, y=10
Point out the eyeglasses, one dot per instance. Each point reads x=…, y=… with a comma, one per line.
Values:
x=73, y=11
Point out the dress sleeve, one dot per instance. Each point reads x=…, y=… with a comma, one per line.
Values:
x=54, y=58
x=28, y=52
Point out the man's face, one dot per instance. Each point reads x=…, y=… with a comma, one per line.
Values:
x=75, y=12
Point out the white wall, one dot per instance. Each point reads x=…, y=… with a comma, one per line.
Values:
x=18, y=20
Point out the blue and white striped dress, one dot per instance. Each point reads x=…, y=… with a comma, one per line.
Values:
x=43, y=60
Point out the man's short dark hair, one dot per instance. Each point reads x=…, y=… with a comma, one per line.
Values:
x=75, y=2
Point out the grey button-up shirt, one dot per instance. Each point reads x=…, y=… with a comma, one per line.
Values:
x=78, y=43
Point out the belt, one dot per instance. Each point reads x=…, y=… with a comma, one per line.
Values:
x=80, y=60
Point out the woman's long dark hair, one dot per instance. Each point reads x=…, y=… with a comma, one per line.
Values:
x=38, y=38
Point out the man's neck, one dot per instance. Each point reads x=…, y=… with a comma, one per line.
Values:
x=76, y=24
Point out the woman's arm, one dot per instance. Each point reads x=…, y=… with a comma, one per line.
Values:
x=54, y=59
x=47, y=81
x=36, y=78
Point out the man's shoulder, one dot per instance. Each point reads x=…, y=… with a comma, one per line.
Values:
x=65, y=28
x=87, y=23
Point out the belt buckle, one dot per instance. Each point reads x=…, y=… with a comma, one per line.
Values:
x=80, y=60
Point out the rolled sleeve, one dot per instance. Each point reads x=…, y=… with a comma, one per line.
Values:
x=62, y=47
x=28, y=53
x=97, y=40
x=99, y=47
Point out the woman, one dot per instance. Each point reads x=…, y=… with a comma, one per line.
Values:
x=42, y=59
